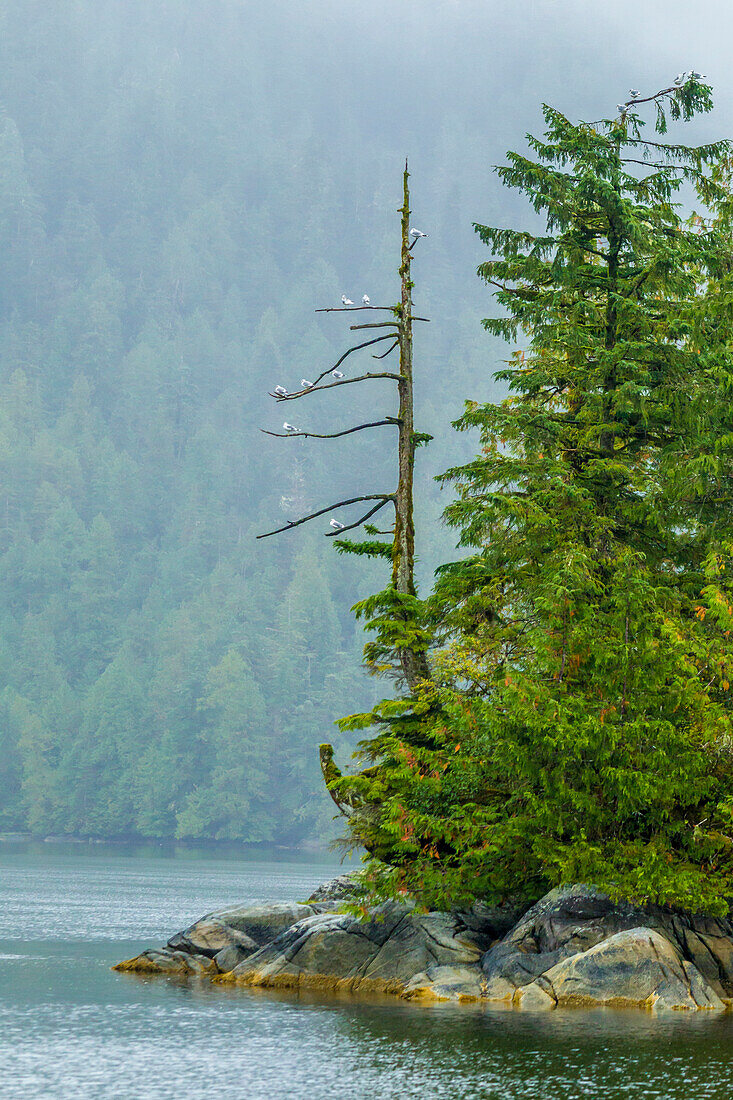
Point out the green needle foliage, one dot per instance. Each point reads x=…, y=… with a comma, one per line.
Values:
x=579, y=726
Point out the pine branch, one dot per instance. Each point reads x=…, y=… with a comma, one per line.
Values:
x=332, y=435
x=324, y=511
x=651, y=98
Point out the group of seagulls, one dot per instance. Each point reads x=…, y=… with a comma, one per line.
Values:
x=306, y=384
x=680, y=80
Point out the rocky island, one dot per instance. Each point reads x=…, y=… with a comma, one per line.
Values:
x=575, y=946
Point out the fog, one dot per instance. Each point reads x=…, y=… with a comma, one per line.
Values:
x=181, y=186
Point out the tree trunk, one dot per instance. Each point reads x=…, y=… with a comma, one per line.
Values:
x=414, y=665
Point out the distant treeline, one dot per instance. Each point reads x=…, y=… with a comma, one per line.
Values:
x=166, y=230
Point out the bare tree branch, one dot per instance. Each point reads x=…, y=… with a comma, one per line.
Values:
x=353, y=309
x=351, y=526
x=356, y=347
x=650, y=98
x=653, y=164
x=330, y=385
x=325, y=511
x=384, y=324
x=387, y=352
x=332, y=435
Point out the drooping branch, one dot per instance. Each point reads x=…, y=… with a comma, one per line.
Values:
x=332, y=435
x=388, y=351
x=364, y=518
x=330, y=385
x=356, y=347
x=325, y=511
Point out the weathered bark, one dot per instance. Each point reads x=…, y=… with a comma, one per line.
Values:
x=414, y=665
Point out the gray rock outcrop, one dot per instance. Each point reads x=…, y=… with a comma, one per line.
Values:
x=573, y=947
x=396, y=951
x=562, y=935
x=246, y=927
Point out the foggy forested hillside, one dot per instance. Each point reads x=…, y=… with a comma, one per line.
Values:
x=181, y=186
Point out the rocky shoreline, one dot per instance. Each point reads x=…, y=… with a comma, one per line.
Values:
x=573, y=947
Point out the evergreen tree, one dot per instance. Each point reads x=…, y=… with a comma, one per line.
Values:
x=579, y=729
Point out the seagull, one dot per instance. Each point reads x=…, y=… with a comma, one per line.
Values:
x=281, y=391
x=346, y=301
x=365, y=300
x=680, y=78
x=634, y=93
x=416, y=233
x=337, y=373
x=336, y=525
x=289, y=427
x=306, y=384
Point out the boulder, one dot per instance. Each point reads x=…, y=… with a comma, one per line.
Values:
x=637, y=967
x=342, y=888
x=426, y=956
x=209, y=936
x=229, y=957
x=571, y=921
x=245, y=927
x=165, y=961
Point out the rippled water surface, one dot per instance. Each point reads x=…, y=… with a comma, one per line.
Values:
x=71, y=1028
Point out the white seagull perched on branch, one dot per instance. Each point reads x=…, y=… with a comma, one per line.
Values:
x=306, y=384
x=366, y=300
x=281, y=391
x=416, y=233
x=336, y=525
x=289, y=427
x=346, y=301
x=337, y=373
x=634, y=93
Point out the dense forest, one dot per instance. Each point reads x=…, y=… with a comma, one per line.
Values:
x=169, y=221
x=180, y=187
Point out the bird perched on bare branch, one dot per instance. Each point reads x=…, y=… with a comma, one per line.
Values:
x=416, y=233
x=366, y=300
x=336, y=525
x=281, y=391
x=306, y=384
x=289, y=427
x=346, y=301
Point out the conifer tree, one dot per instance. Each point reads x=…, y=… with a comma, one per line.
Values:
x=579, y=726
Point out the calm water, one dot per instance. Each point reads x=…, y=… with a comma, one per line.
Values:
x=70, y=1027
